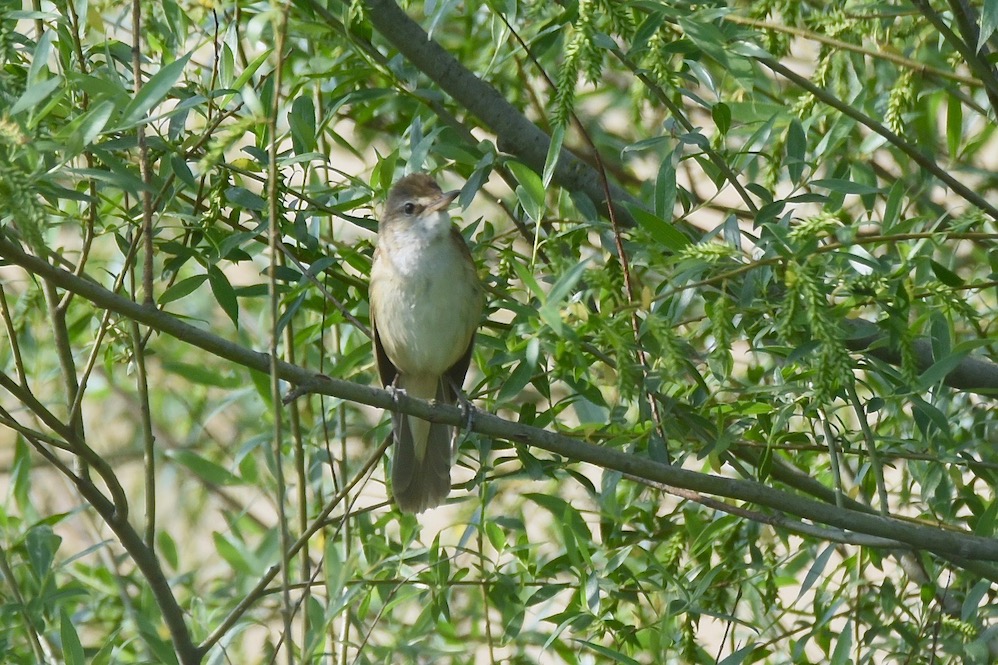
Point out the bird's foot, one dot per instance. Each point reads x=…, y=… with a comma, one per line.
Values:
x=467, y=411
x=395, y=393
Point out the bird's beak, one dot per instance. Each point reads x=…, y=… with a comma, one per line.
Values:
x=443, y=201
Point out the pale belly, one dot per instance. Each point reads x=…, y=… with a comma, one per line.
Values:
x=427, y=305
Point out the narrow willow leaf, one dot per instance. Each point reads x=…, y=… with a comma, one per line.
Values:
x=954, y=125
x=845, y=186
x=721, y=113
x=567, y=282
x=205, y=469
x=989, y=22
x=662, y=231
x=892, y=211
x=816, y=570
x=72, y=648
x=531, y=190
x=153, y=92
x=35, y=95
x=302, y=123
x=665, y=187
x=796, y=150
x=182, y=288
x=224, y=294
x=554, y=153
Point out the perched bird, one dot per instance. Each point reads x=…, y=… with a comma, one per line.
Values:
x=426, y=304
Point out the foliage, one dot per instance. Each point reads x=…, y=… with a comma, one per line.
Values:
x=794, y=169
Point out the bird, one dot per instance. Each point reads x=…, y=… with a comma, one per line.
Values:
x=426, y=303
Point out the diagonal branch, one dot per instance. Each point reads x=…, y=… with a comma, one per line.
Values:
x=515, y=133
x=907, y=148
x=945, y=542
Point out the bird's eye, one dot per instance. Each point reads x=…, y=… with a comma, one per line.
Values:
x=409, y=208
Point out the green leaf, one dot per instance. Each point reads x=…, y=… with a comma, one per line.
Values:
x=554, y=153
x=817, y=568
x=707, y=36
x=945, y=275
x=167, y=548
x=152, y=92
x=845, y=186
x=35, y=94
x=516, y=381
x=241, y=196
x=927, y=415
x=205, y=469
x=665, y=188
x=41, y=544
x=944, y=364
x=892, y=210
x=612, y=655
x=531, y=190
x=529, y=280
x=954, y=125
x=302, y=123
x=251, y=69
x=971, y=603
x=224, y=294
x=739, y=656
x=662, y=231
x=72, y=648
x=160, y=648
x=20, y=476
x=569, y=518
x=796, y=150
x=567, y=282
x=93, y=122
x=939, y=335
x=989, y=22
x=182, y=288
x=843, y=646
x=721, y=113
x=205, y=375
x=38, y=71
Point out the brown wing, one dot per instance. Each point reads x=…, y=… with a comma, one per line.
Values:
x=386, y=369
x=454, y=377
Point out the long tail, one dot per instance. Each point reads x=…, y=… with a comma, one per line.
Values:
x=422, y=459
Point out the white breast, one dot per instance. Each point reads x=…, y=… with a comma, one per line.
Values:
x=426, y=299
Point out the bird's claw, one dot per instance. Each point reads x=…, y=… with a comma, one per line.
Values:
x=467, y=412
x=395, y=393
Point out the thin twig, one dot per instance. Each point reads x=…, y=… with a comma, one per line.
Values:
x=275, y=216
x=15, y=347
x=140, y=134
x=876, y=54
x=907, y=148
x=318, y=523
x=640, y=354
x=876, y=466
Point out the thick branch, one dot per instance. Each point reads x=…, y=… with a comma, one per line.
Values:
x=514, y=132
x=946, y=542
x=972, y=374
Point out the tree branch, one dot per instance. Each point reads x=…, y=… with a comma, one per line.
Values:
x=907, y=148
x=972, y=374
x=945, y=542
x=515, y=133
